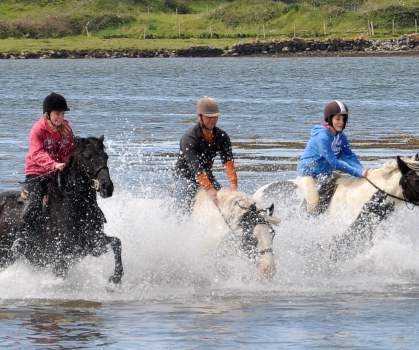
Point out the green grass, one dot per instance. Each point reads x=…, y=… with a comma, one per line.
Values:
x=92, y=43
x=111, y=23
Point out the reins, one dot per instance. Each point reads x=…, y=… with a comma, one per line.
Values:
x=389, y=194
x=52, y=173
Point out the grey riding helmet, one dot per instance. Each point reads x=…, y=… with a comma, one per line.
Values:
x=208, y=107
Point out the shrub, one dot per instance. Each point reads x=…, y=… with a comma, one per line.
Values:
x=403, y=15
x=172, y=5
x=58, y=26
x=256, y=12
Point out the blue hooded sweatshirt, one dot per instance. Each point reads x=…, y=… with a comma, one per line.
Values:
x=326, y=152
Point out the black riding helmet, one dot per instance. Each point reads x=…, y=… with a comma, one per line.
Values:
x=54, y=102
x=335, y=107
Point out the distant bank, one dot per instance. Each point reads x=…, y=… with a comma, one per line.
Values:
x=404, y=45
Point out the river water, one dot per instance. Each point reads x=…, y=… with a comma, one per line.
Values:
x=173, y=295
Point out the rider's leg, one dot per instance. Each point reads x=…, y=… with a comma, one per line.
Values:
x=326, y=186
x=184, y=194
x=307, y=184
x=31, y=215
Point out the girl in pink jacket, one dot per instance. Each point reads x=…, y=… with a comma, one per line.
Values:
x=51, y=143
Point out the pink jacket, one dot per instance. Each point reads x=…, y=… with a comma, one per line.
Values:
x=47, y=147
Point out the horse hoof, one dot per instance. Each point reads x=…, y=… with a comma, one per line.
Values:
x=115, y=279
x=60, y=273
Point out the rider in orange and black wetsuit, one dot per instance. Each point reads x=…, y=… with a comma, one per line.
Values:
x=198, y=148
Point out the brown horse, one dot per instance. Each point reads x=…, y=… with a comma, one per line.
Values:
x=72, y=224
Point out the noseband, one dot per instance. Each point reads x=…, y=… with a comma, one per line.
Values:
x=96, y=184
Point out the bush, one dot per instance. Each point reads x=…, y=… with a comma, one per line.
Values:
x=59, y=26
x=402, y=15
x=97, y=23
x=257, y=12
x=28, y=28
x=172, y=5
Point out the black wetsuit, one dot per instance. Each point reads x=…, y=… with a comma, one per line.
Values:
x=196, y=156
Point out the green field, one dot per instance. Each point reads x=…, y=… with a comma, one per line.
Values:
x=171, y=24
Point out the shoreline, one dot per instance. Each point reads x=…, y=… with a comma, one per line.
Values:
x=407, y=45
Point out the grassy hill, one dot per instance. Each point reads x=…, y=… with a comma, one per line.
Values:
x=134, y=22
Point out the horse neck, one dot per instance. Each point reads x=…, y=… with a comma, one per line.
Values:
x=233, y=205
x=78, y=182
x=387, y=178
x=352, y=193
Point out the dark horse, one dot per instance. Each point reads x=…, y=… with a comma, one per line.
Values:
x=72, y=224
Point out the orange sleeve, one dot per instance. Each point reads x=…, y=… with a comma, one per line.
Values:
x=204, y=181
x=231, y=172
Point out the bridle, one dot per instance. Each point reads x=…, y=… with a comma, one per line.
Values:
x=93, y=178
x=403, y=183
x=248, y=241
x=248, y=221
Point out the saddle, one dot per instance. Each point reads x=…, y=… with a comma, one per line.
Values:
x=324, y=187
x=23, y=197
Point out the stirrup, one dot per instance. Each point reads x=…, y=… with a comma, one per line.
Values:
x=23, y=197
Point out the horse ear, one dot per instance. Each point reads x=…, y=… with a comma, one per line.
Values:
x=404, y=169
x=101, y=138
x=270, y=210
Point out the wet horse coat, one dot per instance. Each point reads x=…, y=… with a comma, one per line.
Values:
x=360, y=204
x=236, y=214
x=73, y=225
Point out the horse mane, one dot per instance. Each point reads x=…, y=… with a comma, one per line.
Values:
x=391, y=165
x=231, y=204
x=387, y=169
x=227, y=199
x=233, y=198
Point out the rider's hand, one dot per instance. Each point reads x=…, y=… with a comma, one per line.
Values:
x=212, y=192
x=59, y=166
x=365, y=173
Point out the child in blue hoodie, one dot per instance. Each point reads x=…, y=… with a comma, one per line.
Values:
x=327, y=150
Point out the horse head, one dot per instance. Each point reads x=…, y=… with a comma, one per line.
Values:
x=257, y=234
x=409, y=181
x=91, y=157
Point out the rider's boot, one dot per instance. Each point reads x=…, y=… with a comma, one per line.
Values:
x=30, y=227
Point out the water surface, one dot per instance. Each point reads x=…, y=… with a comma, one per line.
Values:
x=173, y=295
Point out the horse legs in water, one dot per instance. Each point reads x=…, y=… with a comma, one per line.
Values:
x=115, y=243
x=60, y=267
x=361, y=233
